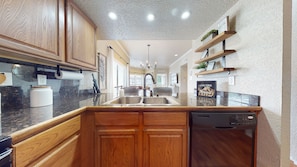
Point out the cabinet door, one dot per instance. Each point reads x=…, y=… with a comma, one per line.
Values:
x=116, y=147
x=164, y=147
x=33, y=28
x=80, y=38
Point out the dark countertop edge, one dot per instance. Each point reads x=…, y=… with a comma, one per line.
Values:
x=37, y=128
x=119, y=108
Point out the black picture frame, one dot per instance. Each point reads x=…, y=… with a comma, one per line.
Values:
x=207, y=89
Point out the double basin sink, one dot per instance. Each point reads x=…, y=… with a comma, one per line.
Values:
x=139, y=100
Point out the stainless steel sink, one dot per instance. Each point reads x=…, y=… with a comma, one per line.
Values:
x=155, y=100
x=127, y=100
x=142, y=101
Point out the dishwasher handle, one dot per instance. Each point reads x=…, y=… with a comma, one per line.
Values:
x=6, y=153
x=224, y=127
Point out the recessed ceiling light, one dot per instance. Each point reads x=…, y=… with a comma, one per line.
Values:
x=150, y=17
x=185, y=15
x=176, y=55
x=112, y=16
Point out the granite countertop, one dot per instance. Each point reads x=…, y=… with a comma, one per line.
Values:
x=13, y=120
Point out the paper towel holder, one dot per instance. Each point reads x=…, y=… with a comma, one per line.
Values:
x=59, y=70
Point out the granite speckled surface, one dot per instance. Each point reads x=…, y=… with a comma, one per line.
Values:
x=13, y=120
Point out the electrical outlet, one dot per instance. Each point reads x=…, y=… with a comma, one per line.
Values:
x=41, y=79
x=8, y=79
x=232, y=80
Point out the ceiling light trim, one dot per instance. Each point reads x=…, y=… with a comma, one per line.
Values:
x=112, y=16
x=185, y=15
x=150, y=17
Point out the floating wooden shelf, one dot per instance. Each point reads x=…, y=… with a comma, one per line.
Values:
x=215, y=56
x=222, y=36
x=215, y=71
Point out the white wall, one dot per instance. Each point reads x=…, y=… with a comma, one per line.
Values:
x=260, y=71
x=293, y=151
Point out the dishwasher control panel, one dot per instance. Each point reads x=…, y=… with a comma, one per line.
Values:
x=224, y=120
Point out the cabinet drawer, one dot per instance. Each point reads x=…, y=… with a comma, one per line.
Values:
x=32, y=148
x=164, y=118
x=117, y=118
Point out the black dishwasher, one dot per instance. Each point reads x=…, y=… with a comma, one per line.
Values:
x=5, y=151
x=222, y=139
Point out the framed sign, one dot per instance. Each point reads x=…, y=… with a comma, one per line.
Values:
x=206, y=88
x=224, y=25
x=102, y=71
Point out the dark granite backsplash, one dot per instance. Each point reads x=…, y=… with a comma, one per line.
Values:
x=18, y=95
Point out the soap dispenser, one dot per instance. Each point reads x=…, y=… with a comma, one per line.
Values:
x=122, y=93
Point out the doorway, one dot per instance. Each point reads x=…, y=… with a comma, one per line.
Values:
x=184, y=79
x=183, y=92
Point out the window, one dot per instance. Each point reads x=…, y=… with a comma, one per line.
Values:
x=136, y=80
x=119, y=77
x=161, y=80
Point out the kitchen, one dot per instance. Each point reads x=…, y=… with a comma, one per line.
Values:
x=263, y=42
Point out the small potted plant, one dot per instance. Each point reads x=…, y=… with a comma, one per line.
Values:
x=211, y=34
x=201, y=67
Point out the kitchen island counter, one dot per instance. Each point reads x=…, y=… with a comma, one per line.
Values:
x=13, y=120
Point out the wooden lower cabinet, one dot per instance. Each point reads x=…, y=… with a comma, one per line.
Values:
x=117, y=138
x=116, y=147
x=144, y=139
x=165, y=139
x=164, y=147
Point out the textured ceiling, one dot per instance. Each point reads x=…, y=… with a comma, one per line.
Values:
x=132, y=24
x=162, y=51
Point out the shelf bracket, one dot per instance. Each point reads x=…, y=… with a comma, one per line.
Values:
x=224, y=44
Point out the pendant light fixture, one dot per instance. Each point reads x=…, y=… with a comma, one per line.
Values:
x=148, y=64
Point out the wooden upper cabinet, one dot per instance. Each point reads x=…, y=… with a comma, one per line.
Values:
x=81, y=38
x=33, y=28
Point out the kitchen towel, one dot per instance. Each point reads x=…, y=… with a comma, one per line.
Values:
x=69, y=75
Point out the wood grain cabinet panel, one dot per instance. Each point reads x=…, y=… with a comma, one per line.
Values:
x=116, y=147
x=145, y=139
x=164, y=147
x=29, y=150
x=81, y=39
x=67, y=155
x=117, y=139
x=117, y=118
x=164, y=118
x=165, y=139
x=33, y=28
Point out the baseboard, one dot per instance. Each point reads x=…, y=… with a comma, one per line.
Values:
x=292, y=164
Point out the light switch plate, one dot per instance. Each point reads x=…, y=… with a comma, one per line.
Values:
x=232, y=80
x=8, y=79
x=41, y=79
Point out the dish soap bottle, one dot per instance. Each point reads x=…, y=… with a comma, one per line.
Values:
x=122, y=93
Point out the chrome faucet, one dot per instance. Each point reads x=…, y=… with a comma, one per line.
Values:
x=144, y=86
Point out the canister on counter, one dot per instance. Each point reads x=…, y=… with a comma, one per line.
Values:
x=41, y=96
